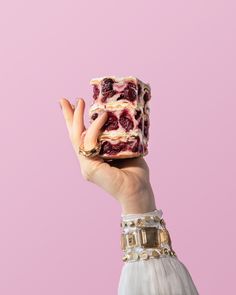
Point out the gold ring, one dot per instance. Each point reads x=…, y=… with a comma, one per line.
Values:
x=90, y=153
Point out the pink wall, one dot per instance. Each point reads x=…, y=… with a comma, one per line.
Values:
x=60, y=234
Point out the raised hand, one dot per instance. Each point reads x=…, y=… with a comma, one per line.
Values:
x=127, y=180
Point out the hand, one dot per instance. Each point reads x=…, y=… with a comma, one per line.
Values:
x=127, y=180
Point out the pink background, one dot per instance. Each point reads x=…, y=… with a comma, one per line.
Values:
x=60, y=234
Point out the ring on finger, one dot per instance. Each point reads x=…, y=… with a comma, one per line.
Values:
x=90, y=153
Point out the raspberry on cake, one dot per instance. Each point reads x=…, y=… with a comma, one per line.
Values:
x=126, y=131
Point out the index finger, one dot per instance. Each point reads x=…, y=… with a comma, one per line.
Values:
x=68, y=113
x=78, y=120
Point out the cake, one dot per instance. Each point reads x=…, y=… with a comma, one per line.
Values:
x=126, y=131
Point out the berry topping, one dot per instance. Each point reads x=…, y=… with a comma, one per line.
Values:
x=111, y=123
x=139, y=89
x=108, y=95
x=95, y=91
x=145, y=148
x=130, y=92
x=94, y=116
x=121, y=97
x=107, y=85
x=137, y=114
x=146, y=128
x=140, y=148
x=106, y=148
x=126, y=121
x=107, y=89
x=112, y=149
x=140, y=124
x=146, y=96
x=135, y=146
x=116, y=148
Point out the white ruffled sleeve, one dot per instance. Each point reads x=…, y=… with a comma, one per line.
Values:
x=151, y=266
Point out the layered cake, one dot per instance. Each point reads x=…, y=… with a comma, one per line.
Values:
x=126, y=131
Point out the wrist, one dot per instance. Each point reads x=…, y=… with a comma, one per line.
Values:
x=140, y=203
